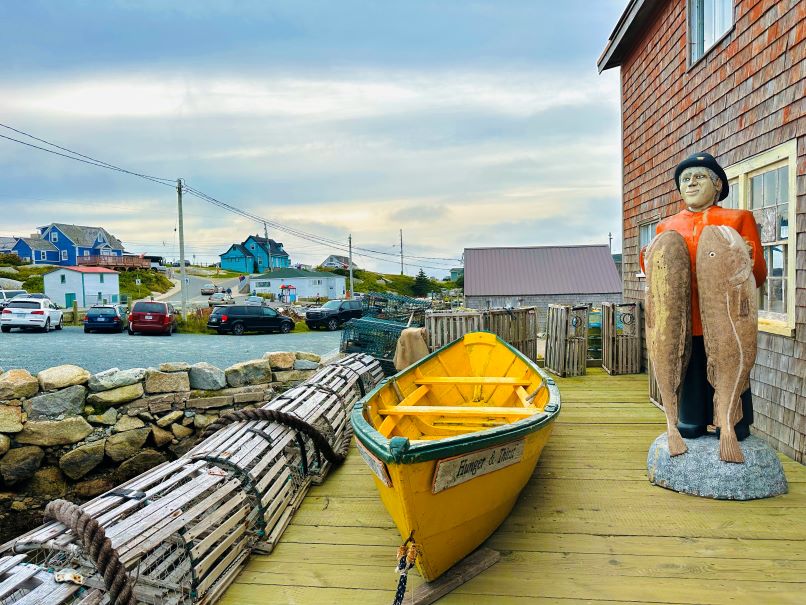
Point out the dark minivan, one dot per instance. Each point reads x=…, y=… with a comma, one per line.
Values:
x=105, y=317
x=334, y=313
x=237, y=319
x=152, y=316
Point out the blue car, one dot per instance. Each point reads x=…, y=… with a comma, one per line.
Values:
x=106, y=318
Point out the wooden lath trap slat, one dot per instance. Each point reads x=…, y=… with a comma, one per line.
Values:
x=183, y=529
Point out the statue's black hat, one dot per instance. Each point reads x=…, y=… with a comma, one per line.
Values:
x=706, y=160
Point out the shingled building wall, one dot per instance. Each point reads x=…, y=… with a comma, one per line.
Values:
x=744, y=97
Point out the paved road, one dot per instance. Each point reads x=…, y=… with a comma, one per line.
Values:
x=195, y=297
x=96, y=352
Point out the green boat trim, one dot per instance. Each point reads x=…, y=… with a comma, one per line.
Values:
x=400, y=450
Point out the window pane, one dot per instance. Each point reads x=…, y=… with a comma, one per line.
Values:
x=777, y=295
x=783, y=184
x=732, y=201
x=778, y=264
x=756, y=197
x=783, y=221
x=770, y=187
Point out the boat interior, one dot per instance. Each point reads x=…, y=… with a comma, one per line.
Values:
x=474, y=384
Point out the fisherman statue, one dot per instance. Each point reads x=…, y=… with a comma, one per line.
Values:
x=702, y=270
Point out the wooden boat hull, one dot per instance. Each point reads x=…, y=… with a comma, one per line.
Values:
x=450, y=494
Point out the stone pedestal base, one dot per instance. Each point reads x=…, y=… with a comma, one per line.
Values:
x=700, y=472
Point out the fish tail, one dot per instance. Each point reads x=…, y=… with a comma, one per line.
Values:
x=676, y=444
x=729, y=449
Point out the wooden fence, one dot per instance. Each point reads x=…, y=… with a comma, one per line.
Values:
x=179, y=533
x=567, y=339
x=621, y=338
x=518, y=327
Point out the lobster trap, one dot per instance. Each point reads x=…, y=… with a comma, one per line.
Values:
x=376, y=337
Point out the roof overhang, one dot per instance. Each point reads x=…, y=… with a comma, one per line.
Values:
x=631, y=23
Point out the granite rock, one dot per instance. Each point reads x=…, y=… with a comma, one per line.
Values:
x=10, y=419
x=78, y=462
x=309, y=356
x=54, y=432
x=166, y=382
x=206, y=377
x=114, y=378
x=61, y=377
x=109, y=417
x=700, y=472
x=116, y=396
x=21, y=463
x=161, y=437
x=174, y=366
x=304, y=364
x=16, y=384
x=58, y=404
x=281, y=360
x=180, y=432
x=293, y=375
x=170, y=418
x=127, y=423
x=122, y=446
x=5, y=444
x=138, y=464
x=92, y=487
x=249, y=372
x=48, y=483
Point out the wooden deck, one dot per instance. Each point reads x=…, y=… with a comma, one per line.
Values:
x=588, y=528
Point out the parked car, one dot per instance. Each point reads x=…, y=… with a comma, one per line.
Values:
x=218, y=299
x=152, y=316
x=38, y=295
x=254, y=301
x=7, y=295
x=238, y=319
x=208, y=289
x=106, y=317
x=26, y=313
x=333, y=314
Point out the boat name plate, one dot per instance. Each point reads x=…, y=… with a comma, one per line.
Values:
x=375, y=464
x=457, y=470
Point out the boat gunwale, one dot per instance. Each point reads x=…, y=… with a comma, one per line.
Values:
x=401, y=450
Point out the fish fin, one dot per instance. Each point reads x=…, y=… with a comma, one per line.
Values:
x=729, y=449
x=676, y=444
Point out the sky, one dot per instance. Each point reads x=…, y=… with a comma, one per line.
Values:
x=464, y=123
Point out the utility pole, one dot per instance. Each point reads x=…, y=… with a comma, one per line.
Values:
x=610, y=242
x=350, y=246
x=268, y=243
x=401, y=252
x=182, y=270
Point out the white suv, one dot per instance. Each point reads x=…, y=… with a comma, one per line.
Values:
x=38, y=313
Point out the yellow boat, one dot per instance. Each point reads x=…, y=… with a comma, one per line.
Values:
x=452, y=440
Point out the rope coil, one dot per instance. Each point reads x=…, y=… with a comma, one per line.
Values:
x=98, y=547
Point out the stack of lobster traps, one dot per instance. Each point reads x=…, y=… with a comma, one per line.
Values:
x=179, y=533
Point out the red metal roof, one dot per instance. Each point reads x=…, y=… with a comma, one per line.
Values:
x=87, y=269
x=540, y=270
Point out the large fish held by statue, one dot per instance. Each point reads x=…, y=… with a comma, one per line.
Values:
x=668, y=324
x=729, y=312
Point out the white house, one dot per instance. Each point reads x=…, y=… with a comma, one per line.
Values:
x=85, y=285
x=289, y=285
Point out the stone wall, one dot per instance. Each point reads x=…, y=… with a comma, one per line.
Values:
x=68, y=433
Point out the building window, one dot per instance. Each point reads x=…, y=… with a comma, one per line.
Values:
x=64, y=254
x=765, y=185
x=63, y=279
x=709, y=20
x=86, y=252
x=43, y=255
x=54, y=237
x=101, y=277
x=646, y=233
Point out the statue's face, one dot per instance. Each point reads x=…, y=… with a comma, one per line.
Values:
x=697, y=189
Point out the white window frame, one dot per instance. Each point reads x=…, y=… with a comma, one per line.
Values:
x=739, y=175
x=64, y=254
x=694, y=25
x=43, y=255
x=647, y=223
x=54, y=236
x=86, y=252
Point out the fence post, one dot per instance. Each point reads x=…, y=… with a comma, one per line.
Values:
x=75, y=313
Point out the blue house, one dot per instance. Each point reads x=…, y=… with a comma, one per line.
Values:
x=37, y=251
x=77, y=244
x=255, y=255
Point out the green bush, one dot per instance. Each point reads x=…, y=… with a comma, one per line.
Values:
x=12, y=260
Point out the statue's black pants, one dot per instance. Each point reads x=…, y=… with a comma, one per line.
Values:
x=697, y=398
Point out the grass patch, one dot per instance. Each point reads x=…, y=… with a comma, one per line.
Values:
x=195, y=322
x=150, y=281
x=369, y=281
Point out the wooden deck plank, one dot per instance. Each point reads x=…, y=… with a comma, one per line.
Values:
x=588, y=520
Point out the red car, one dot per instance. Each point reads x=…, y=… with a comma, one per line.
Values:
x=152, y=316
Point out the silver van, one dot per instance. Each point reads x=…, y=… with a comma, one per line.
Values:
x=7, y=295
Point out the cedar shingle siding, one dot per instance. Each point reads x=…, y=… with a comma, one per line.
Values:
x=744, y=97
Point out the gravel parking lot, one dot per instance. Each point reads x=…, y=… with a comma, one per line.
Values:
x=96, y=352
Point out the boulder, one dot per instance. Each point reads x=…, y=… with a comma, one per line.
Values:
x=48, y=483
x=180, y=432
x=128, y=423
x=200, y=421
x=21, y=463
x=80, y=461
x=109, y=417
x=174, y=366
x=61, y=377
x=123, y=394
x=166, y=382
x=161, y=437
x=304, y=364
x=10, y=419
x=309, y=356
x=114, y=378
x=293, y=375
x=92, y=487
x=249, y=372
x=170, y=418
x=5, y=444
x=58, y=404
x=16, y=384
x=138, y=464
x=281, y=360
x=206, y=377
x=54, y=432
x=122, y=446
